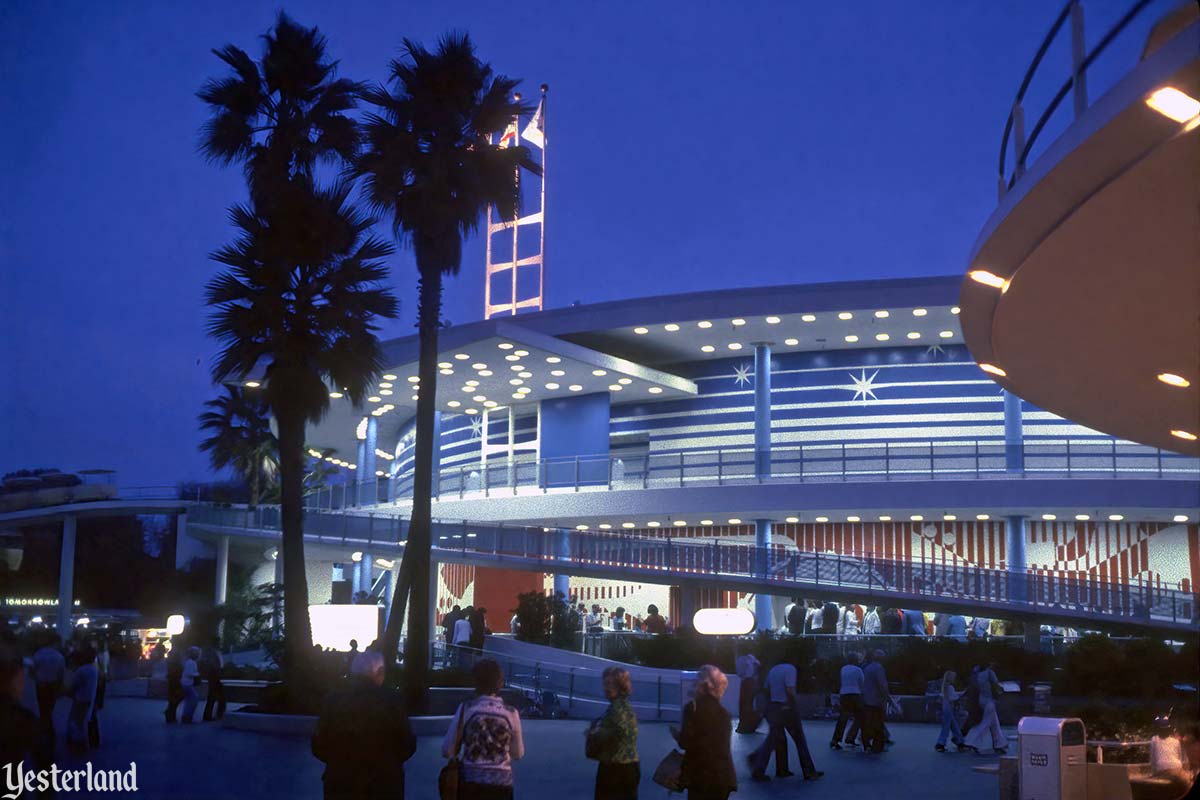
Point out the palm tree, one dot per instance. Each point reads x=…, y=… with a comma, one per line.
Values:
x=302, y=287
x=240, y=437
x=429, y=163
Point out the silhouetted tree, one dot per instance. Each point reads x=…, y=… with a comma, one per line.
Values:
x=302, y=288
x=429, y=163
x=240, y=438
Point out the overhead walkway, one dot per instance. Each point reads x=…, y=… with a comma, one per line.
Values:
x=777, y=570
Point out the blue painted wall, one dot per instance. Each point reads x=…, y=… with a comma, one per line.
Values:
x=575, y=427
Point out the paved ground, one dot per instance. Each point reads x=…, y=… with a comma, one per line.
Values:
x=205, y=761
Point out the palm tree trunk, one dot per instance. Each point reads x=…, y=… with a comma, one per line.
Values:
x=415, y=567
x=297, y=629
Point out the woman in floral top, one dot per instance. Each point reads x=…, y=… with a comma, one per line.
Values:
x=618, y=773
x=485, y=735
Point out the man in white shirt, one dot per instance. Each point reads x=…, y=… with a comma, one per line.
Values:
x=783, y=720
x=594, y=623
x=871, y=622
x=460, y=638
x=849, y=697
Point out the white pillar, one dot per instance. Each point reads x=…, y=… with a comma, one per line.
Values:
x=222, y=570
x=512, y=446
x=66, y=578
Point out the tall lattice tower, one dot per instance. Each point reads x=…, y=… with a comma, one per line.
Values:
x=515, y=264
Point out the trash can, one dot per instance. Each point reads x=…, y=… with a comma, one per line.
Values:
x=1053, y=758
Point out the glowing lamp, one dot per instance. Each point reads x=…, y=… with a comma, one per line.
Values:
x=1171, y=379
x=1174, y=104
x=723, y=621
x=993, y=369
x=987, y=278
x=175, y=624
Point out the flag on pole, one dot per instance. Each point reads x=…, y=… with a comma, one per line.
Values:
x=535, y=131
x=510, y=135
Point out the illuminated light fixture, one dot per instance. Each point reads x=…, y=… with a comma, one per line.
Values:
x=351, y=466
x=882, y=337
x=735, y=521
x=315, y=453
x=525, y=389
x=982, y=516
x=553, y=359
x=884, y=518
x=845, y=315
x=737, y=322
x=706, y=522
x=512, y=357
x=454, y=404
x=993, y=369
x=446, y=371
x=391, y=377
x=414, y=379
x=1081, y=517
x=917, y=518
x=703, y=324
x=521, y=353
x=386, y=392
x=252, y=384
x=808, y=317
x=914, y=335
x=955, y=309
x=471, y=411
x=987, y=278
x=479, y=398
x=575, y=387
x=558, y=373
x=524, y=374
x=735, y=345
x=773, y=320
x=949, y=517
x=1049, y=517
x=1174, y=104
x=945, y=334
x=655, y=390
x=385, y=563
x=641, y=331
x=919, y=312
x=516, y=381
x=821, y=519
x=478, y=365
x=708, y=348
x=505, y=346
x=670, y=326
x=627, y=525
x=652, y=524
x=791, y=342
x=792, y=520
x=882, y=314
x=518, y=396
x=175, y=624
x=604, y=526
x=581, y=527
x=615, y=387
x=852, y=338
x=852, y=519
x=486, y=373
x=1187, y=436
x=444, y=365
x=471, y=383
x=624, y=381
x=552, y=386
x=1116, y=517
x=1171, y=379
x=723, y=621
x=335, y=395
x=356, y=556
x=599, y=372
x=470, y=387
x=682, y=523
x=374, y=399
x=490, y=404
x=1180, y=518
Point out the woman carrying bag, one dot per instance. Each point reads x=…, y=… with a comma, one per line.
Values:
x=707, y=772
x=483, y=740
x=612, y=740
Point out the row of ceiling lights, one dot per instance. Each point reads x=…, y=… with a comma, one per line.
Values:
x=681, y=523
x=986, y=278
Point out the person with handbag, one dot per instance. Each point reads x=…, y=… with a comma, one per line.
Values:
x=707, y=771
x=483, y=740
x=612, y=740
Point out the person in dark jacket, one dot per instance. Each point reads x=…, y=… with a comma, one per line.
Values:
x=891, y=622
x=175, y=691
x=707, y=772
x=18, y=725
x=211, y=665
x=364, y=737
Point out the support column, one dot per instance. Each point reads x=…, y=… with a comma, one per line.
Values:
x=512, y=447
x=365, y=479
x=367, y=575
x=66, y=579
x=222, y=570
x=389, y=585
x=562, y=550
x=277, y=611
x=763, y=617
x=1014, y=451
x=355, y=578
x=1014, y=542
x=762, y=410
x=689, y=604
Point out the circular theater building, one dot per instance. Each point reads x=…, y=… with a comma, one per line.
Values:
x=744, y=447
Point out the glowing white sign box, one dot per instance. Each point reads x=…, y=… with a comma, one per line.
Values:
x=723, y=621
x=335, y=625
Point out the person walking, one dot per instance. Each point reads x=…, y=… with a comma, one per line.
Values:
x=211, y=665
x=876, y=698
x=461, y=638
x=364, y=736
x=748, y=668
x=849, y=697
x=707, y=772
x=479, y=628
x=49, y=669
x=949, y=716
x=82, y=692
x=782, y=720
x=175, y=693
x=485, y=735
x=188, y=679
x=613, y=739
x=989, y=722
x=103, y=673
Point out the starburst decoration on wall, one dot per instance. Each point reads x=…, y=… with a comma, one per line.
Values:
x=862, y=386
x=741, y=375
x=935, y=350
x=476, y=427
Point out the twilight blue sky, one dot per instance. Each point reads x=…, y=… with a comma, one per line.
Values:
x=694, y=146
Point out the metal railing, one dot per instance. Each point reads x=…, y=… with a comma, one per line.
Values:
x=1070, y=17
x=780, y=569
x=813, y=463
